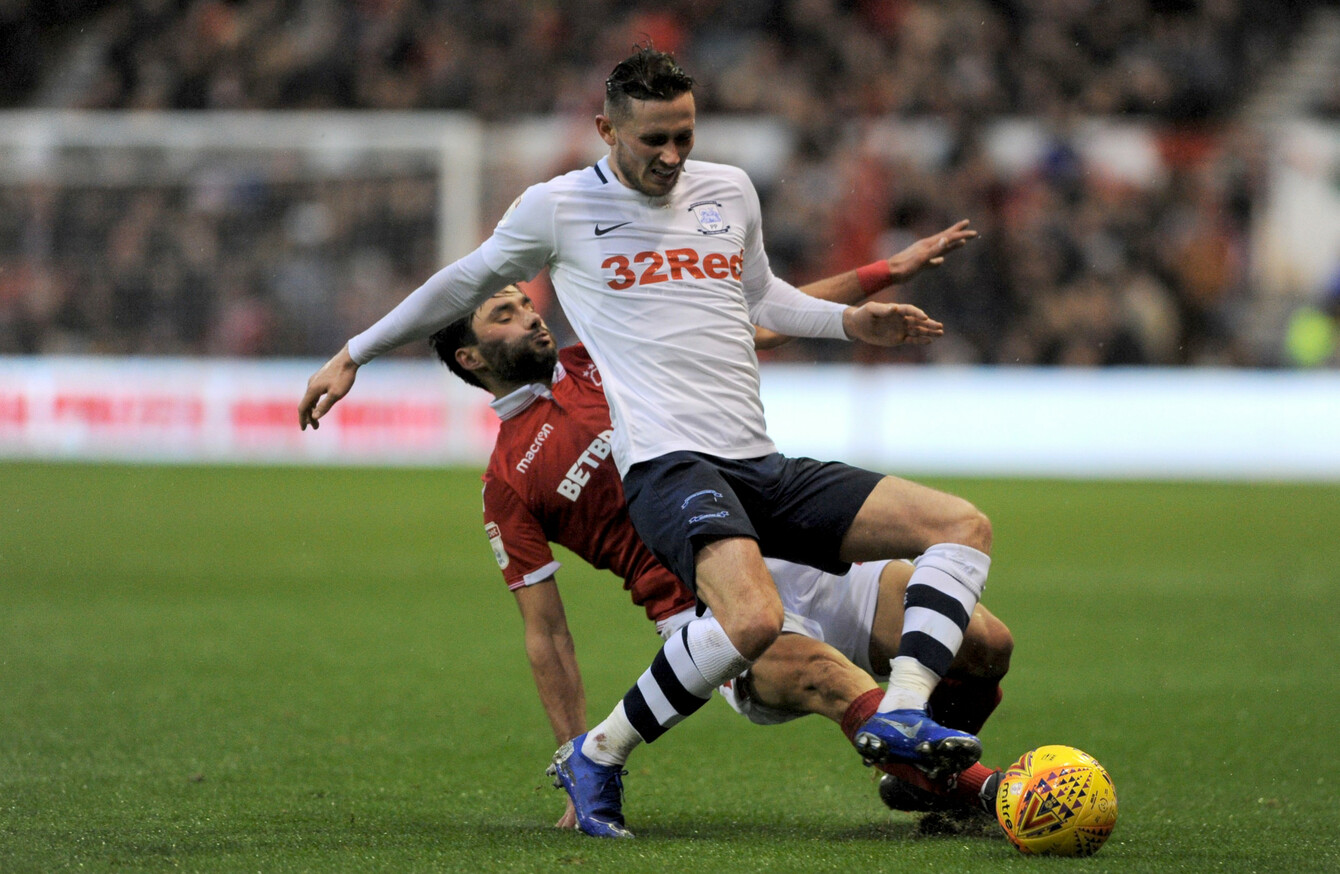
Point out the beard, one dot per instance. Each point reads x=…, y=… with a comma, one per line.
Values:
x=520, y=362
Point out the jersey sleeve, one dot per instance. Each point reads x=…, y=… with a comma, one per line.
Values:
x=774, y=303
x=523, y=241
x=519, y=543
x=519, y=247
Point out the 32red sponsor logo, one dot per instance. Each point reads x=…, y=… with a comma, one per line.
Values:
x=649, y=268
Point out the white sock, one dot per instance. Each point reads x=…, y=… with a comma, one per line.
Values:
x=941, y=595
x=715, y=657
x=692, y=663
x=910, y=685
x=610, y=742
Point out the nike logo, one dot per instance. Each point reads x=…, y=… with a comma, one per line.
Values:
x=600, y=232
x=907, y=731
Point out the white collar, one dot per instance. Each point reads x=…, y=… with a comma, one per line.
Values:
x=515, y=401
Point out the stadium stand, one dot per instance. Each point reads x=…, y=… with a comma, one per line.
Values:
x=1077, y=266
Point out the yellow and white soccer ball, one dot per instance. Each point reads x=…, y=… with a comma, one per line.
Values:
x=1057, y=800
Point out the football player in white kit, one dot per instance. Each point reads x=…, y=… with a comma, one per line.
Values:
x=659, y=264
x=550, y=479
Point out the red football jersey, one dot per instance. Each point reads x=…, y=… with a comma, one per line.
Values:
x=551, y=479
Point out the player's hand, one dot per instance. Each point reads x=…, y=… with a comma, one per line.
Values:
x=327, y=386
x=569, y=817
x=930, y=251
x=888, y=324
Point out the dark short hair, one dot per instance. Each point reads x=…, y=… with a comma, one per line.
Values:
x=457, y=335
x=646, y=74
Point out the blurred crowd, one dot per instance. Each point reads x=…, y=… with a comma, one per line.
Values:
x=1075, y=266
x=240, y=265
x=811, y=61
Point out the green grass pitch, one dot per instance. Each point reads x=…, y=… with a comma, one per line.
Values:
x=236, y=669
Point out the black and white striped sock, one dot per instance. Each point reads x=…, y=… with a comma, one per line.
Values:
x=691, y=663
x=941, y=595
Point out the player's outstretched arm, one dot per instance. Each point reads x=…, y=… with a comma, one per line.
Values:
x=444, y=297
x=553, y=664
x=327, y=386
x=927, y=253
x=854, y=286
x=889, y=324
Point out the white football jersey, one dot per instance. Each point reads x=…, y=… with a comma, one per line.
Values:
x=662, y=290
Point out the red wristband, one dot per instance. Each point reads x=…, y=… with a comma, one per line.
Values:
x=874, y=277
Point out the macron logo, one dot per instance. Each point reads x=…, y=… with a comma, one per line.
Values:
x=545, y=430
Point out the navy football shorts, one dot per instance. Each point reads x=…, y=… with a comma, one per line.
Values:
x=798, y=509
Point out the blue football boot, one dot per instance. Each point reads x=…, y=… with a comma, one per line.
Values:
x=913, y=738
x=596, y=790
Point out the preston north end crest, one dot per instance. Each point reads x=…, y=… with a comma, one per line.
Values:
x=709, y=216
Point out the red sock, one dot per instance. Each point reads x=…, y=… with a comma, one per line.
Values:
x=860, y=710
x=970, y=781
x=909, y=774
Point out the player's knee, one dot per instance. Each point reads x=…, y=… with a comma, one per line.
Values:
x=971, y=527
x=987, y=648
x=754, y=633
x=957, y=521
x=998, y=651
